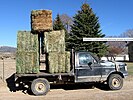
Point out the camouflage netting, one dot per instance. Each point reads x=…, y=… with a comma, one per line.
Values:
x=27, y=59
x=41, y=20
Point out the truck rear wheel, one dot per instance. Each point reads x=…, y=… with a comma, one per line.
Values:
x=40, y=86
x=115, y=82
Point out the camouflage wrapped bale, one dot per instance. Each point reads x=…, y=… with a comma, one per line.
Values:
x=53, y=62
x=27, y=62
x=35, y=62
x=24, y=41
x=41, y=20
x=61, y=62
x=27, y=58
x=54, y=45
x=67, y=62
x=21, y=36
x=54, y=41
x=20, y=62
x=56, y=62
x=34, y=45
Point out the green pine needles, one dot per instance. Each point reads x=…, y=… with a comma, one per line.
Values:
x=86, y=24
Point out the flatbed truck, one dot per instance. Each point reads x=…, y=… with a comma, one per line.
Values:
x=85, y=68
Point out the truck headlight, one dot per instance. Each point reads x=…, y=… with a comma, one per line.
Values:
x=126, y=68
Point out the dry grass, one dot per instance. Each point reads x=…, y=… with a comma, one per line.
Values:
x=130, y=67
x=9, y=68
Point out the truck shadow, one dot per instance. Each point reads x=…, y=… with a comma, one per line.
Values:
x=11, y=83
x=71, y=86
x=80, y=86
x=12, y=86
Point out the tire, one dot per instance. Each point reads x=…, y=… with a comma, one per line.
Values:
x=115, y=82
x=40, y=86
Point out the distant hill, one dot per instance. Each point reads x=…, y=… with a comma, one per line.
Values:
x=7, y=49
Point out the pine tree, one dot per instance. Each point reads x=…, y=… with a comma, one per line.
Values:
x=86, y=25
x=58, y=25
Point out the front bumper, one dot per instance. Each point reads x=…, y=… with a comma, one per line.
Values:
x=125, y=75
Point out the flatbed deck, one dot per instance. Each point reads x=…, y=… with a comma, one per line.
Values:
x=42, y=74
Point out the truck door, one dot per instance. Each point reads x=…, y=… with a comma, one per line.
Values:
x=87, y=68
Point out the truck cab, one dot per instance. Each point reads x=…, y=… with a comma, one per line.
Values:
x=88, y=68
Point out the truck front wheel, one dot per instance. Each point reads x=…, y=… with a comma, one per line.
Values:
x=40, y=86
x=115, y=82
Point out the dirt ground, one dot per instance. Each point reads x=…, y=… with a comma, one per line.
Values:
x=71, y=92
x=84, y=93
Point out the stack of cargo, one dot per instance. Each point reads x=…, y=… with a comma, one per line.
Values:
x=41, y=20
x=53, y=43
x=27, y=60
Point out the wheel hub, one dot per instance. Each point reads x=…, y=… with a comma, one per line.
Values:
x=40, y=87
x=115, y=83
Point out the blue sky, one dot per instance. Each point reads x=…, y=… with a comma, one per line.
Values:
x=115, y=16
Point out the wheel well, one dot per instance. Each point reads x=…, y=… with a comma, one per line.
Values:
x=119, y=73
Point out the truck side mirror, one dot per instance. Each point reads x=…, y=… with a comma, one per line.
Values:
x=89, y=63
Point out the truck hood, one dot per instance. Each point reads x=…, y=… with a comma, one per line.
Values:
x=110, y=63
